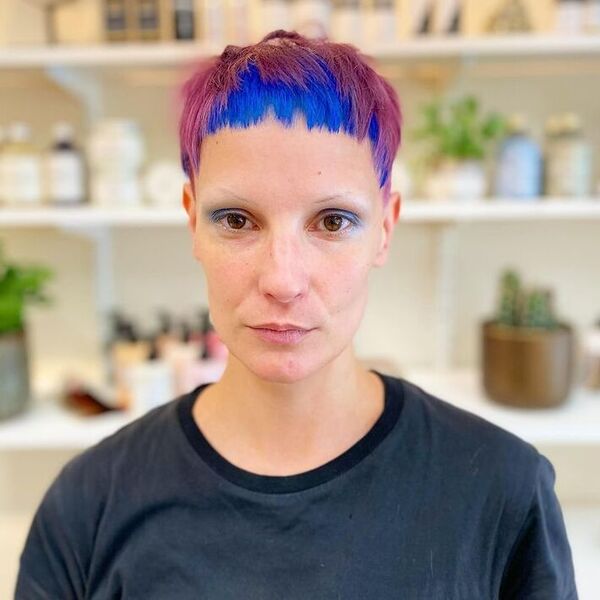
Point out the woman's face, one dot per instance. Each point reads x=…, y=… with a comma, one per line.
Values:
x=278, y=247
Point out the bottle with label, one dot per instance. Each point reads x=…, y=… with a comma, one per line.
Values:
x=568, y=158
x=150, y=382
x=64, y=169
x=21, y=168
x=519, y=167
x=183, y=19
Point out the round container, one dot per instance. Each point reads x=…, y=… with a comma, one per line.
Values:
x=526, y=366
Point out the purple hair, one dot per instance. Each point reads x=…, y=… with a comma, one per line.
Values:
x=332, y=84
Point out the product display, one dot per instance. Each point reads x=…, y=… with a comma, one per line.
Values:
x=64, y=170
x=519, y=163
x=20, y=168
x=568, y=162
x=115, y=154
x=163, y=181
x=145, y=371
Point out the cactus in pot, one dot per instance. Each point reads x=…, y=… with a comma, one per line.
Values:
x=527, y=353
x=19, y=285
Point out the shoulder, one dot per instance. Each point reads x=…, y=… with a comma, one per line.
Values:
x=461, y=439
x=114, y=456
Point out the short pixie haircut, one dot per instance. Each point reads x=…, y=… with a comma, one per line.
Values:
x=332, y=84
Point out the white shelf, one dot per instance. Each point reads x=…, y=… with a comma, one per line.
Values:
x=49, y=426
x=180, y=53
x=415, y=211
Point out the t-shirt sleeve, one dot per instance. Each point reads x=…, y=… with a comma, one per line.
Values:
x=540, y=566
x=54, y=559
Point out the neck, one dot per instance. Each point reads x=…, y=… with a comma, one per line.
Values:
x=269, y=427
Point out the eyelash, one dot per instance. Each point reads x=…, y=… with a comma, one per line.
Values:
x=219, y=215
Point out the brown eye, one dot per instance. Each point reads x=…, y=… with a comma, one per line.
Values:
x=334, y=221
x=235, y=220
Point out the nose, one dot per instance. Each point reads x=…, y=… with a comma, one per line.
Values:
x=282, y=272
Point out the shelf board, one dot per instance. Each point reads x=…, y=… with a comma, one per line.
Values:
x=128, y=54
x=412, y=211
x=49, y=426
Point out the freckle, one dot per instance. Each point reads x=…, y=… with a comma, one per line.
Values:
x=319, y=172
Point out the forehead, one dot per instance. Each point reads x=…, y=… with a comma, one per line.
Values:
x=280, y=158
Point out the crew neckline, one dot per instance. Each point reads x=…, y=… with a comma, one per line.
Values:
x=278, y=484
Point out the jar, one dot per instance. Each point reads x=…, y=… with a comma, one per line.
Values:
x=568, y=158
x=115, y=154
x=519, y=165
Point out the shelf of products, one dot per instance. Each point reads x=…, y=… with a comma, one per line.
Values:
x=412, y=211
x=49, y=426
x=129, y=54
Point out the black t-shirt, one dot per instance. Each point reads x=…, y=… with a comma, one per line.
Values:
x=432, y=503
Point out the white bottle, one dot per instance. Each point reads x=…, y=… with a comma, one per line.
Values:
x=64, y=169
x=21, y=168
x=116, y=153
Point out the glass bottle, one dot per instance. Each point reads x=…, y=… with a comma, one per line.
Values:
x=519, y=166
x=64, y=169
x=21, y=168
x=568, y=158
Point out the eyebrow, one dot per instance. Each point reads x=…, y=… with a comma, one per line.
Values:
x=222, y=193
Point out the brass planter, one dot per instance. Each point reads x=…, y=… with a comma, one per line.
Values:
x=14, y=374
x=525, y=366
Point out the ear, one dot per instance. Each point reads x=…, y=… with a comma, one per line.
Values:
x=189, y=203
x=390, y=218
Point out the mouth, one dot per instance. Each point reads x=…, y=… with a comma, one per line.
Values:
x=285, y=336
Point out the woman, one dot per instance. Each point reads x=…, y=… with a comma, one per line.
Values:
x=299, y=474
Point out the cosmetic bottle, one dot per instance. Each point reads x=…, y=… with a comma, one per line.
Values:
x=568, y=158
x=128, y=350
x=214, y=346
x=150, y=382
x=64, y=169
x=311, y=18
x=519, y=163
x=21, y=168
x=202, y=369
x=166, y=336
x=183, y=19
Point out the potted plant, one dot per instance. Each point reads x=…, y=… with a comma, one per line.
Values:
x=18, y=285
x=527, y=353
x=456, y=139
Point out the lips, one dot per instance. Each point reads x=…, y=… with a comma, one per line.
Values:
x=281, y=327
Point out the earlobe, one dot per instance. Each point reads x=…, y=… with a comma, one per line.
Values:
x=389, y=221
x=189, y=204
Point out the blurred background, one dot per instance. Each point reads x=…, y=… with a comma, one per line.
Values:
x=490, y=298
